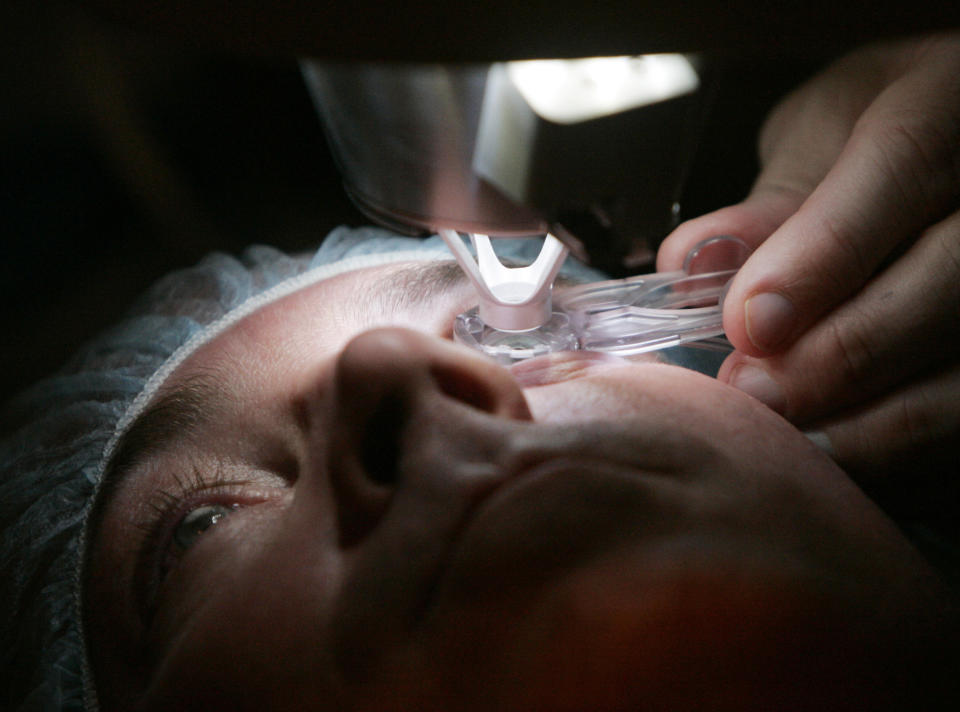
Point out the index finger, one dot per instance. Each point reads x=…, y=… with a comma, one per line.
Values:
x=898, y=173
x=751, y=221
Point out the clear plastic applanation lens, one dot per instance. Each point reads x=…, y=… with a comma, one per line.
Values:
x=625, y=317
x=639, y=314
x=508, y=347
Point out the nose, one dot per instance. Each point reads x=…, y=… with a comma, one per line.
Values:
x=411, y=411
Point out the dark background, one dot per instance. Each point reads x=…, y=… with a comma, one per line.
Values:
x=124, y=154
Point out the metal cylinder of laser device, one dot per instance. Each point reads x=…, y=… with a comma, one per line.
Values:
x=405, y=139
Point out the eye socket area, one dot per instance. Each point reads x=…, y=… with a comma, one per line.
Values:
x=196, y=521
x=183, y=519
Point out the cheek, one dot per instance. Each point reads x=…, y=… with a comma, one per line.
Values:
x=256, y=649
x=619, y=391
x=673, y=410
x=241, y=665
x=576, y=402
x=256, y=631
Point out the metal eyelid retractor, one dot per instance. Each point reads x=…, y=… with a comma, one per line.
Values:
x=517, y=317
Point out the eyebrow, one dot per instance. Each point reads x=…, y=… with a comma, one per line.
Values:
x=174, y=418
x=417, y=284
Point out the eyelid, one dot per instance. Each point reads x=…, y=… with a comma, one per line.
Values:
x=218, y=486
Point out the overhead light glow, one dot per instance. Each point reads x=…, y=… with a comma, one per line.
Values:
x=568, y=91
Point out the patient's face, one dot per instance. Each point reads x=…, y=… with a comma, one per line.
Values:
x=320, y=513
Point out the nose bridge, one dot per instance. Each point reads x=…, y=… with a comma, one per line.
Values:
x=413, y=413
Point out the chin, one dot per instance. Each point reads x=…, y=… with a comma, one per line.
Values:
x=676, y=649
x=638, y=631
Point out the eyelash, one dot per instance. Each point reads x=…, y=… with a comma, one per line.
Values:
x=167, y=508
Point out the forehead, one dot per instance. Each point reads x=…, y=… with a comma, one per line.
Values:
x=317, y=321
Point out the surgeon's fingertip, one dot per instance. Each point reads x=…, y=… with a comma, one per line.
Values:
x=672, y=250
x=675, y=247
x=770, y=319
x=716, y=254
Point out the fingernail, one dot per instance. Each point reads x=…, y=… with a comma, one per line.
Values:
x=755, y=382
x=821, y=440
x=770, y=320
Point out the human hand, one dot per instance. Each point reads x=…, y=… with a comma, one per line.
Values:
x=846, y=318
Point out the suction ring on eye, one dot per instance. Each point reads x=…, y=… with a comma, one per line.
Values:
x=511, y=298
x=515, y=319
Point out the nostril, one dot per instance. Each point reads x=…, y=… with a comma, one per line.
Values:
x=399, y=417
x=380, y=442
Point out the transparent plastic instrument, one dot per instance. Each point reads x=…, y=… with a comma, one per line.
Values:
x=519, y=317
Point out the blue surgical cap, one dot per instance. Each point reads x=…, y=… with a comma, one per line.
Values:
x=51, y=461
